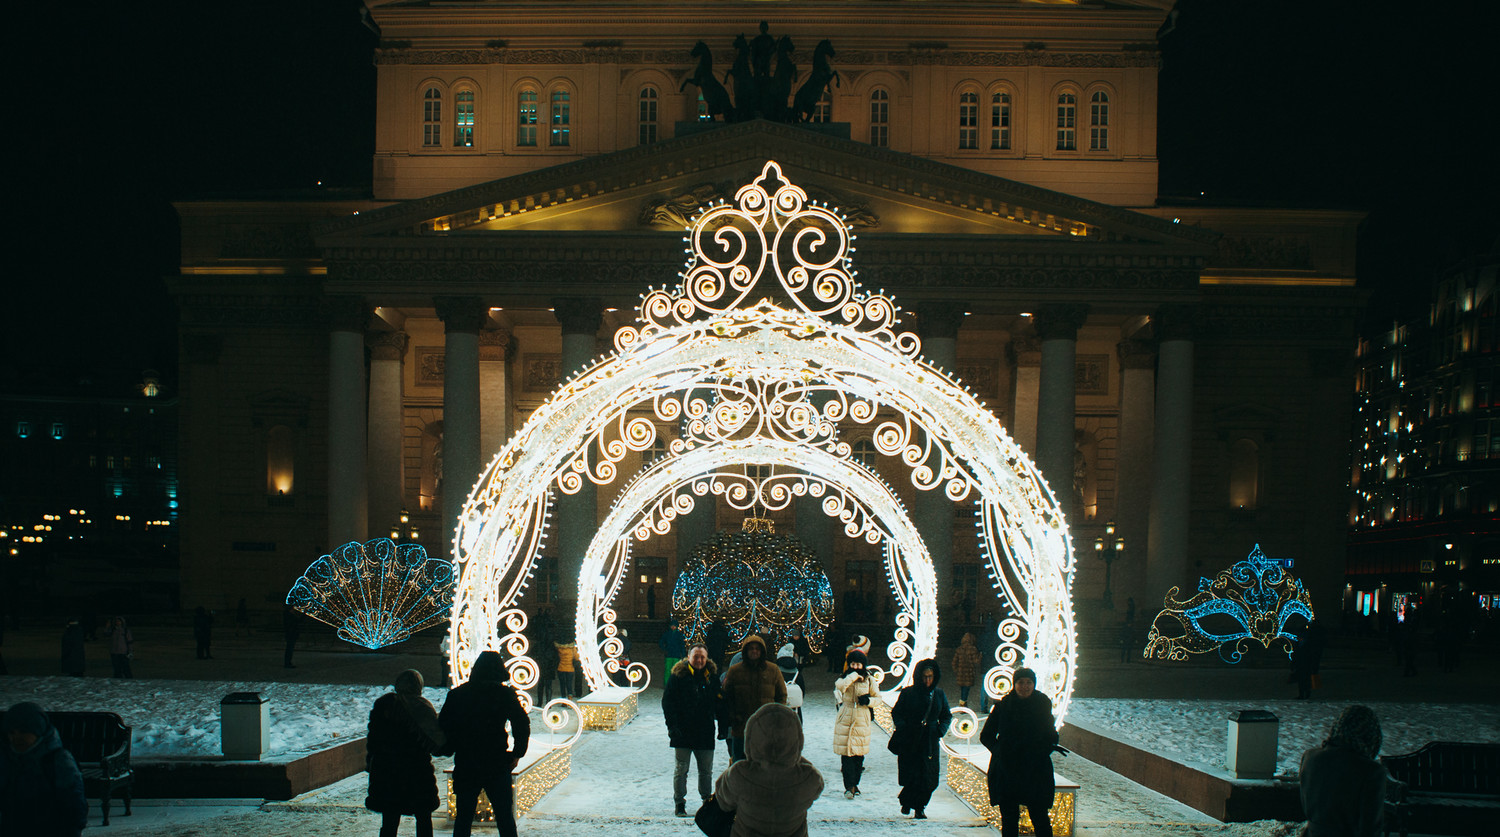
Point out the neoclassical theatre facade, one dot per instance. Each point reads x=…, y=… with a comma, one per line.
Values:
x=1180, y=374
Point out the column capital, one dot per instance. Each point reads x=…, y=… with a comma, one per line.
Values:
x=938, y=319
x=464, y=314
x=387, y=345
x=1025, y=350
x=347, y=313
x=1175, y=321
x=579, y=314
x=1059, y=321
x=1136, y=354
x=494, y=343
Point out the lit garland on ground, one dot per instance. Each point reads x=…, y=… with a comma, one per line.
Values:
x=1256, y=600
x=755, y=382
x=377, y=593
x=758, y=582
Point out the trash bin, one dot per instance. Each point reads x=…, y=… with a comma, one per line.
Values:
x=245, y=725
x=1252, y=744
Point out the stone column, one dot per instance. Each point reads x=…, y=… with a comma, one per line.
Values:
x=463, y=317
x=932, y=511
x=387, y=472
x=1171, y=495
x=494, y=392
x=577, y=514
x=348, y=512
x=1025, y=355
x=1133, y=465
x=1057, y=328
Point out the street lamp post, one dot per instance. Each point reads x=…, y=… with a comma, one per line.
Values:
x=404, y=530
x=1109, y=548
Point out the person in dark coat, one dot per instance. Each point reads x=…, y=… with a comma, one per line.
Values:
x=41, y=790
x=717, y=641
x=748, y=685
x=1307, y=659
x=291, y=629
x=474, y=718
x=203, y=632
x=1343, y=783
x=690, y=705
x=1020, y=734
x=922, y=707
x=404, y=735
x=121, y=647
x=72, y=649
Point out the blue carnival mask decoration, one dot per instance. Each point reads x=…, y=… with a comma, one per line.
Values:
x=1254, y=601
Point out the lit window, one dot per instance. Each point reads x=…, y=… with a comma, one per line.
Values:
x=57, y=430
x=432, y=118
x=880, y=118
x=23, y=429
x=560, y=119
x=968, y=120
x=526, y=118
x=1244, y=474
x=463, y=119
x=823, y=110
x=1000, y=122
x=280, y=460
x=1099, y=121
x=647, y=119
x=1067, y=120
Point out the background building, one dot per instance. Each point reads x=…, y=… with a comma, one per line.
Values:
x=1178, y=370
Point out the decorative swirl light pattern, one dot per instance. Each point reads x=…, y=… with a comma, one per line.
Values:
x=965, y=727
x=376, y=593
x=556, y=716
x=756, y=382
x=1254, y=601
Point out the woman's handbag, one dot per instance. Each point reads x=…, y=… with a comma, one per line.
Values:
x=713, y=820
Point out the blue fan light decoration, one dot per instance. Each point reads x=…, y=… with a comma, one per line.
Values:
x=376, y=593
x=758, y=582
x=1254, y=601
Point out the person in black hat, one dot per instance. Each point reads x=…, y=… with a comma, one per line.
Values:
x=41, y=790
x=1020, y=735
x=854, y=693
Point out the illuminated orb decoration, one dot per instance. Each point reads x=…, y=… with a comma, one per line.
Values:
x=1254, y=601
x=376, y=593
x=748, y=381
x=758, y=582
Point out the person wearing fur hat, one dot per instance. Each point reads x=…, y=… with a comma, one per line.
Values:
x=404, y=735
x=474, y=719
x=41, y=790
x=771, y=788
x=1020, y=734
x=1343, y=782
x=749, y=684
x=854, y=694
x=690, y=705
x=922, y=709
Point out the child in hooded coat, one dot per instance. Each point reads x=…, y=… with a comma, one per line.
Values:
x=771, y=788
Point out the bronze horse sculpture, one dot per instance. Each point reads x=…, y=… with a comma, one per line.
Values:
x=744, y=81
x=817, y=81
x=714, y=94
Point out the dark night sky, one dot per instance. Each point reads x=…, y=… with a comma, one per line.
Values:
x=1383, y=107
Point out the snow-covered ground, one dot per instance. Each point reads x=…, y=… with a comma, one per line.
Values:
x=1195, y=731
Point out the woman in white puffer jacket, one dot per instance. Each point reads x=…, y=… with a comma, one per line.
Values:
x=855, y=693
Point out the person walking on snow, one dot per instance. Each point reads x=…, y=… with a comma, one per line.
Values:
x=1020, y=735
x=965, y=666
x=120, y=644
x=403, y=736
x=690, y=705
x=748, y=685
x=473, y=719
x=854, y=694
x=921, y=715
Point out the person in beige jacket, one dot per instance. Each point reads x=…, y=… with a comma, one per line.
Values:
x=770, y=789
x=855, y=693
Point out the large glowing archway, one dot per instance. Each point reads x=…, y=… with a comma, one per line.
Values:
x=767, y=383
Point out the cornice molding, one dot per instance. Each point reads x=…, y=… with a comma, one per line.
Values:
x=853, y=59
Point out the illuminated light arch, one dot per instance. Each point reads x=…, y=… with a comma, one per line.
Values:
x=766, y=384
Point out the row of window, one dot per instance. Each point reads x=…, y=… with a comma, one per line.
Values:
x=559, y=118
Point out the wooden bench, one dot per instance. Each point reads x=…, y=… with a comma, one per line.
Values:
x=1448, y=787
x=100, y=743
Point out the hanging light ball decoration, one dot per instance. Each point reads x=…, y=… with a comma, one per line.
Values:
x=757, y=582
x=376, y=593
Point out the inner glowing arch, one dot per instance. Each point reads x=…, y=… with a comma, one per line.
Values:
x=768, y=384
x=655, y=493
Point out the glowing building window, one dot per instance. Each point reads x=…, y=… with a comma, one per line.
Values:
x=823, y=110
x=561, y=119
x=463, y=121
x=1099, y=121
x=280, y=460
x=1244, y=474
x=1067, y=122
x=1000, y=122
x=968, y=120
x=526, y=118
x=432, y=118
x=880, y=118
x=647, y=120
x=23, y=429
x=58, y=431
